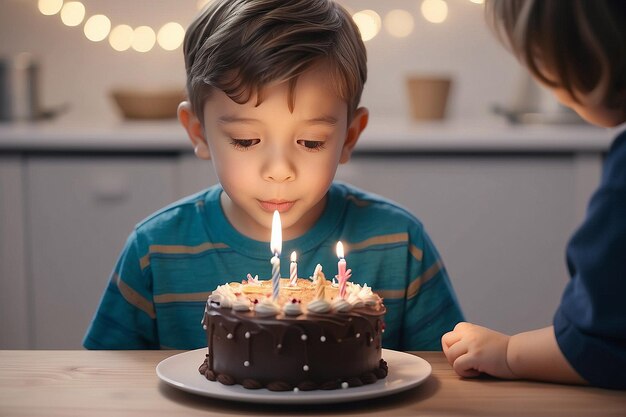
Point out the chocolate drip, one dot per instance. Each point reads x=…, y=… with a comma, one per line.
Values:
x=309, y=351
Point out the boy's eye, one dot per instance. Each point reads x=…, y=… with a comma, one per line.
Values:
x=312, y=145
x=243, y=143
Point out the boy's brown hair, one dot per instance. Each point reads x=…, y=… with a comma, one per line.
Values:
x=241, y=46
x=577, y=45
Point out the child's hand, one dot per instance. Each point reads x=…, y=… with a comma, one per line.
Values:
x=472, y=350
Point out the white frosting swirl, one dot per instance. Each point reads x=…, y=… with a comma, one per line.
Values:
x=355, y=301
x=292, y=309
x=266, y=307
x=364, y=293
x=341, y=306
x=371, y=300
x=318, y=306
x=222, y=297
x=241, y=304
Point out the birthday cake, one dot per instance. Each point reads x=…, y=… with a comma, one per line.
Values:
x=309, y=335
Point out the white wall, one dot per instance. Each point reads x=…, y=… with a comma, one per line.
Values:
x=79, y=72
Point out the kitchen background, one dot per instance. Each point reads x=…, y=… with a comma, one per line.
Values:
x=499, y=200
x=82, y=73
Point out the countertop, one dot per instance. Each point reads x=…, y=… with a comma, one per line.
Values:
x=382, y=135
x=114, y=383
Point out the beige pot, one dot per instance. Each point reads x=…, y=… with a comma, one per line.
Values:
x=428, y=97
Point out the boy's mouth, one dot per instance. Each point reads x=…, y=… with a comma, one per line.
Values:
x=280, y=205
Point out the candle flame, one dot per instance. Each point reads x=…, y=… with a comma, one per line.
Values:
x=340, y=250
x=293, y=256
x=276, y=242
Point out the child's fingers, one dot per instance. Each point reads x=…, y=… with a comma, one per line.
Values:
x=449, y=339
x=455, y=350
x=466, y=366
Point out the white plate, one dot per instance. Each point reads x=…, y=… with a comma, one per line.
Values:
x=181, y=371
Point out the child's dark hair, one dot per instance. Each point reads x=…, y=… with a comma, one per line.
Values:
x=577, y=45
x=241, y=46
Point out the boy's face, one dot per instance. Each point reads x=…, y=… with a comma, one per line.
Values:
x=268, y=158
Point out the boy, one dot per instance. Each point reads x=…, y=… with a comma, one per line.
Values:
x=578, y=50
x=273, y=90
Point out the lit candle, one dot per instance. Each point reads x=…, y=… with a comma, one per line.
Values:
x=293, y=270
x=276, y=243
x=342, y=274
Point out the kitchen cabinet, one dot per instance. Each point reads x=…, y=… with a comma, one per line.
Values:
x=78, y=214
x=14, y=310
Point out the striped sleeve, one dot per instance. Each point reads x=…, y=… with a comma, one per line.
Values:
x=431, y=306
x=126, y=316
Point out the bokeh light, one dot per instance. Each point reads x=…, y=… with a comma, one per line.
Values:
x=201, y=3
x=435, y=11
x=97, y=28
x=171, y=36
x=49, y=7
x=369, y=23
x=73, y=13
x=144, y=39
x=399, y=23
x=121, y=37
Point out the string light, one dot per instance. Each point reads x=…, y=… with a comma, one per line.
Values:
x=399, y=23
x=369, y=23
x=72, y=13
x=201, y=3
x=122, y=37
x=435, y=11
x=144, y=39
x=97, y=28
x=49, y=7
x=170, y=36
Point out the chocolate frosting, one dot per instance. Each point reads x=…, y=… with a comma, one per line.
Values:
x=309, y=351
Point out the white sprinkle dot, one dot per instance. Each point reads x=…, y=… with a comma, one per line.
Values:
x=279, y=346
x=229, y=336
x=295, y=389
x=358, y=335
x=305, y=367
x=204, y=327
x=344, y=385
x=303, y=337
x=323, y=338
x=247, y=335
x=246, y=363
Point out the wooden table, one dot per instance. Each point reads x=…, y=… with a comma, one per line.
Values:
x=113, y=383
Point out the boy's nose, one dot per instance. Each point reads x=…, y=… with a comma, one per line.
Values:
x=278, y=168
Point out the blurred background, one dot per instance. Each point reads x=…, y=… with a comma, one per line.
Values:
x=404, y=38
x=497, y=171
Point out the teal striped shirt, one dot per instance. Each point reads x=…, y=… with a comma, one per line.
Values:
x=176, y=257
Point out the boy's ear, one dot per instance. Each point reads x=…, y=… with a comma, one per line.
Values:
x=356, y=127
x=194, y=129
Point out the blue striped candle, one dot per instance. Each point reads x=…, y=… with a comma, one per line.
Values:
x=276, y=243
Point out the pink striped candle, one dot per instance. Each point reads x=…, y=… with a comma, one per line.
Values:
x=293, y=270
x=342, y=274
